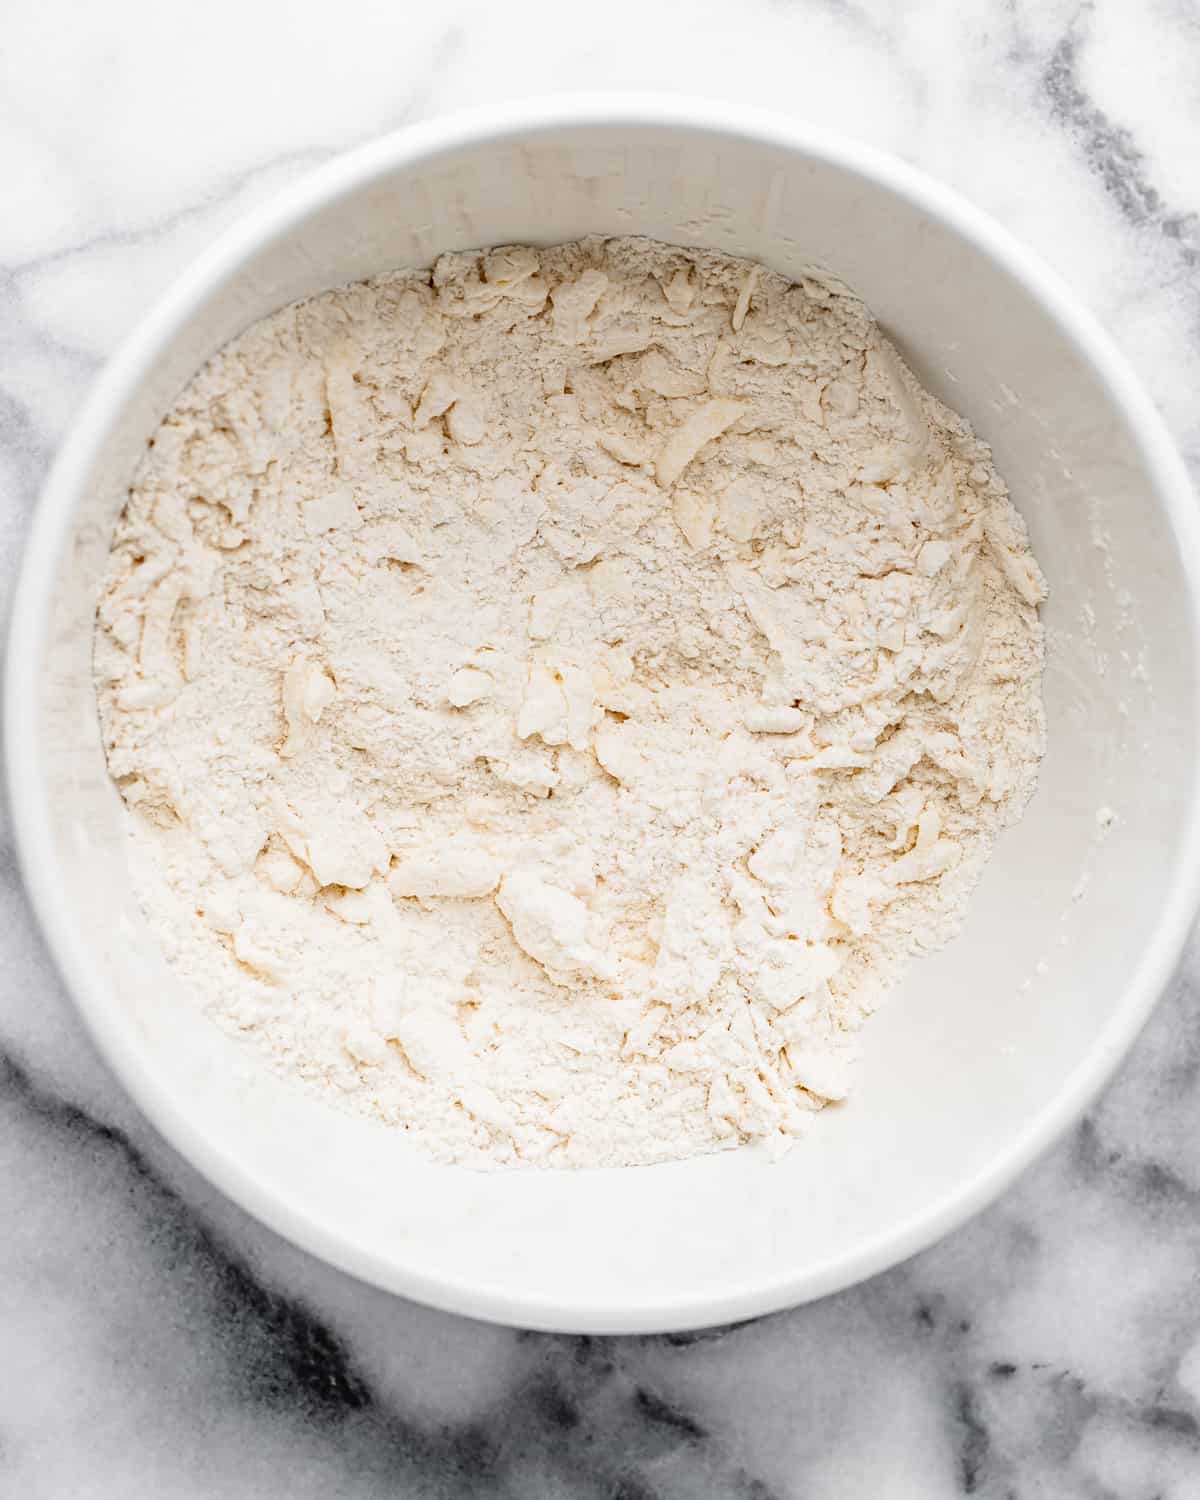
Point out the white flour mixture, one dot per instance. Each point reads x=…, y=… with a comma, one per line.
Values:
x=557, y=694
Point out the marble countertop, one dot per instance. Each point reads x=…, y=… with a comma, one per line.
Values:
x=154, y=1341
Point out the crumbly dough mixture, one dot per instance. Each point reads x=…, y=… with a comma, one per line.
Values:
x=555, y=694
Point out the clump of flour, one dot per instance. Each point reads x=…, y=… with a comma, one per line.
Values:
x=556, y=694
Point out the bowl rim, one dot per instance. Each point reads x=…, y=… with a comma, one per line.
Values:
x=29, y=622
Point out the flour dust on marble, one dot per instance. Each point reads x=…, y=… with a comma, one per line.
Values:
x=555, y=694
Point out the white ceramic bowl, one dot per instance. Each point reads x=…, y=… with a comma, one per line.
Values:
x=994, y=1045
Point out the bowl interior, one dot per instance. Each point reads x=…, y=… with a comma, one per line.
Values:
x=990, y=1042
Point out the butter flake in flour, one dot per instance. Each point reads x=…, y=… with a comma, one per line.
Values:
x=556, y=694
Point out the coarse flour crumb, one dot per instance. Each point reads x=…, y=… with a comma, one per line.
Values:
x=556, y=694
